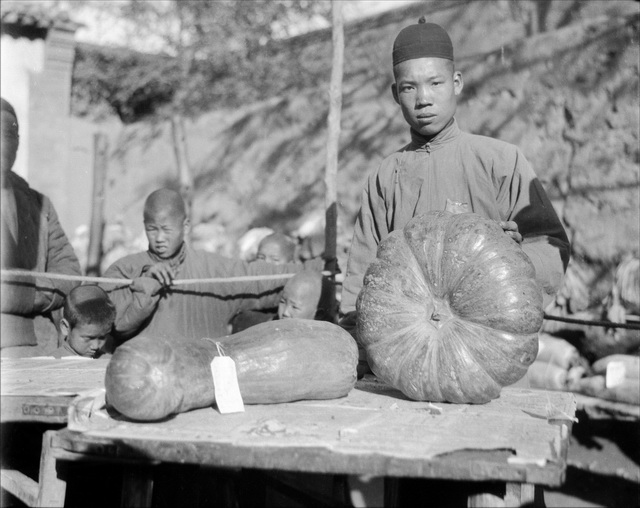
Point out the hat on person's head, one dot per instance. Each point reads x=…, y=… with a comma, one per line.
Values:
x=423, y=40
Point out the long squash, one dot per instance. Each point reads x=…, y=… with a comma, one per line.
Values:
x=278, y=361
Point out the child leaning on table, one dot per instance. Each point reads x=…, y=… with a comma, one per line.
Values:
x=86, y=324
x=305, y=296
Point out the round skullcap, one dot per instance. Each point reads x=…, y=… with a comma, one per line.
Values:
x=423, y=40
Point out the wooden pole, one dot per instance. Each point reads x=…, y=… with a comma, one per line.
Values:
x=333, y=144
x=96, y=229
x=182, y=160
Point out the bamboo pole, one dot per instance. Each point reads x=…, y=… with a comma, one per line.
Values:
x=185, y=176
x=6, y=278
x=96, y=229
x=333, y=144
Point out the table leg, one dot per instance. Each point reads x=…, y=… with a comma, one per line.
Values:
x=137, y=487
x=520, y=494
x=19, y=485
x=52, y=485
x=391, y=492
x=516, y=494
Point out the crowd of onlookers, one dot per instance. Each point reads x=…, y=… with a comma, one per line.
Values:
x=168, y=289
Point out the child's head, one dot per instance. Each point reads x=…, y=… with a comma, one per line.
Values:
x=426, y=83
x=301, y=296
x=87, y=319
x=165, y=222
x=277, y=249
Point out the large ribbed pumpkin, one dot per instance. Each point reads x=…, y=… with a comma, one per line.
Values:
x=450, y=309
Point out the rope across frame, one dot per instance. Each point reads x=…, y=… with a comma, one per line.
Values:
x=6, y=274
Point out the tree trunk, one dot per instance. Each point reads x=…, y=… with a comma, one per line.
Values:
x=333, y=143
x=96, y=230
x=182, y=161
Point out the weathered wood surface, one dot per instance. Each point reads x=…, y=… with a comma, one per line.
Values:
x=520, y=437
x=375, y=430
x=51, y=376
x=41, y=389
x=20, y=485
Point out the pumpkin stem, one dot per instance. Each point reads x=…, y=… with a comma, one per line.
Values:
x=440, y=314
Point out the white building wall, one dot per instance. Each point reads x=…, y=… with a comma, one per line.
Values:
x=19, y=60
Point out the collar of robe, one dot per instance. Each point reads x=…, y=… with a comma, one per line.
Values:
x=420, y=142
x=174, y=261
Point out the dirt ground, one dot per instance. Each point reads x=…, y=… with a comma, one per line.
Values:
x=603, y=465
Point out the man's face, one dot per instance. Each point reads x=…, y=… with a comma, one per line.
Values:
x=86, y=339
x=271, y=252
x=426, y=90
x=297, y=302
x=165, y=233
x=10, y=141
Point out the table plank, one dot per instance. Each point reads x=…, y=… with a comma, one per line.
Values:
x=41, y=389
x=52, y=409
x=521, y=436
x=50, y=377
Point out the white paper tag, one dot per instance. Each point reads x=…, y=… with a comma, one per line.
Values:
x=615, y=374
x=225, y=384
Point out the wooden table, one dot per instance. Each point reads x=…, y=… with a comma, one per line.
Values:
x=41, y=390
x=520, y=439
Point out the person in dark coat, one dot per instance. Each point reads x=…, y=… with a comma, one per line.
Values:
x=32, y=240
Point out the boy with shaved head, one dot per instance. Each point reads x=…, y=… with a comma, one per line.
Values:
x=153, y=306
x=276, y=248
x=86, y=323
x=305, y=296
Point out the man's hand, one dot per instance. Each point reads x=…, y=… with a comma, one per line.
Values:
x=511, y=229
x=162, y=273
x=617, y=313
x=147, y=285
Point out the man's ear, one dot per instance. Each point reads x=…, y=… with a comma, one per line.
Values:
x=394, y=92
x=65, y=328
x=186, y=225
x=458, y=83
